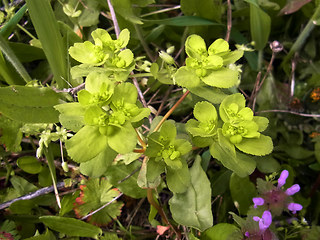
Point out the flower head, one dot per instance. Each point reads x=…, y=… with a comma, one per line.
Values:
x=258, y=201
x=294, y=207
x=265, y=221
x=293, y=189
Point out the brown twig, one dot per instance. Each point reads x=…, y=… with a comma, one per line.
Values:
x=229, y=20
x=171, y=110
x=114, y=18
x=161, y=212
x=165, y=98
x=291, y=112
x=102, y=207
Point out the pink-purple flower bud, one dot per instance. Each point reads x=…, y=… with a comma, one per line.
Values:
x=258, y=201
x=293, y=189
x=283, y=177
x=294, y=207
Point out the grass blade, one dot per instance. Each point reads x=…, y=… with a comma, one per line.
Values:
x=47, y=29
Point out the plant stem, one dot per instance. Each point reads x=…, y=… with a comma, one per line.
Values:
x=171, y=110
x=136, y=75
x=161, y=11
x=143, y=42
x=114, y=18
x=26, y=31
x=161, y=212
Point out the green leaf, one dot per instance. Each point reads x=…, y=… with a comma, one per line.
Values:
x=94, y=194
x=47, y=236
x=67, y=203
x=97, y=166
x=222, y=78
x=196, y=201
x=256, y=146
x=267, y=164
x=178, y=180
x=71, y=226
x=118, y=174
x=241, y=164
x=86, y=144
x=186, y=77
x=124, y=8
x=21, y=185
x=222, y=231
x=123, y=140
x=29, y=104
x=239, y=186
x=125, y=92
x=168, y=131
x=26, y=52
x=218, y=46
x=154, y=169
x=262, y=122
x=71, y=115
x=8, y=28
x=90, y=15
x=184, y=21
x=260, y=26
x=12, y=58
x=202, y=8
x=211, y=94
x=29, y=164
x=11, y=134
x=237, y=98
x=88, y=53
x=47, y=29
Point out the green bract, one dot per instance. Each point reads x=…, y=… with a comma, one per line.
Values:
x=108, y=111
x=215, y=66
x=166, y=152
x=243, y=129
x=105, y=51
x=207, y=117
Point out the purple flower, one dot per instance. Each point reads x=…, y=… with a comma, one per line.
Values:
x=283, y=177
x=294, y=207
x=247, y=234
x=258, y=201
x=293, y=189
x=265, y=221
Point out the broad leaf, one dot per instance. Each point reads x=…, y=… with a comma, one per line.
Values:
x=239, y=186
x=71, y=226
x=94, y=194
x=186, y=77
x=97, y=166
x=29, y=104
x=241, y=164
x=256, y=146
x=204, y=111
x=125, y=178
x=196, y=201
x=222, y=231
x=178, y=180
x=86, y=144
x=211, y=94
x=222, y=78
x=29, y=164
x=71, y=115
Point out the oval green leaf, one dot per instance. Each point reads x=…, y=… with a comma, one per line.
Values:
x=29, y=164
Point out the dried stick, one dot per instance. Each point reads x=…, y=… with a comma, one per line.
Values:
x=32, y=195
x=291, y=112
x=229, y=19
x=100, y=208
x=114, y=18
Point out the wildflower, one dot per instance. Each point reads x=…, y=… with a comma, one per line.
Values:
x=315, y=94
x=294, y=207
x=277, y=199
x=258, y=201
x=265, y=221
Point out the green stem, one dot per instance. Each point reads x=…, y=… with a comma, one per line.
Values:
x=49, y=156
x=260, y=59
x=26, y=31
x=141, y=75
x=143, y=42
x=304, y=34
